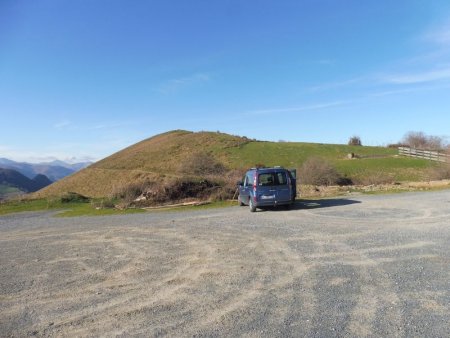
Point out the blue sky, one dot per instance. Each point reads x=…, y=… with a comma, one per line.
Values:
x=83, y=79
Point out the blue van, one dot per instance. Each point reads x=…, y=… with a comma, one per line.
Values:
x=267, y=187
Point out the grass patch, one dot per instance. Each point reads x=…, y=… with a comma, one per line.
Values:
x=26, y=205
x=76, y=209
x=398, y=168
x=212, y=205
x=85, y=209
x=294, y=154
x=68, y=209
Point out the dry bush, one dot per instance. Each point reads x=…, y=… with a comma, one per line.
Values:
x=73, y=197
x=207, y=180
x=202, y=164
x=419, y=140
x=397, y=145
x=176, y=190
x=440, y=172
x=129, y=192
x=104, y=203
x=355, y=141
x=318, y=171
x=374, y=178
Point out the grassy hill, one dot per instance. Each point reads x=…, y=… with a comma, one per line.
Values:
x=160, y=159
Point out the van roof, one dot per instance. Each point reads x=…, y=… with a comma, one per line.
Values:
x=268, y=168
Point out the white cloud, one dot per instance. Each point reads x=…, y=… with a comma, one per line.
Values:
x=62, y=124
x=111, y=125
x=337, y=84
x=318, y=106
x=173, y=85
x=439, y=35
x=419, y=77
x=326, y=62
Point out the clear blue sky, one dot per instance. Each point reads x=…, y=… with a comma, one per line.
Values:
x=87, y=78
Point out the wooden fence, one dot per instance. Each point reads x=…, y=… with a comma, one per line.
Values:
x=425, y=154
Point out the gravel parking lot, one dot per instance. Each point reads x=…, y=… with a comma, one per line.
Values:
x=356, y=267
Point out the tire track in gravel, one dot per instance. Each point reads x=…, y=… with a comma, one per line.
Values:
x=231, y=273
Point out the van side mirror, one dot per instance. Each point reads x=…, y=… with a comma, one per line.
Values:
x=239, y=183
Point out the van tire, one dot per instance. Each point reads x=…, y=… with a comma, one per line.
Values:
x=251, y=205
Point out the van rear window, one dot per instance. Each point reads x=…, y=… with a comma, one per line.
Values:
x=270, y=179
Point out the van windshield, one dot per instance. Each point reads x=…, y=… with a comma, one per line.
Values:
x=270, y=179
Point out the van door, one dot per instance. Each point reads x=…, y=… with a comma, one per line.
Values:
x=244, y=190
x=266, y=190
x=284, y=193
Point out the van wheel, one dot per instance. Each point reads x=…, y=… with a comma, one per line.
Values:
x=251, y=205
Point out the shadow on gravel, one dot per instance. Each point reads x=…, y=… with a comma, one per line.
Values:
x=313, y=204
x=324, y=203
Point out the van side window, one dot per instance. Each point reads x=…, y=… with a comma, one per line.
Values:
x=281, y=178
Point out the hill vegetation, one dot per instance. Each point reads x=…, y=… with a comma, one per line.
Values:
x=182, y=160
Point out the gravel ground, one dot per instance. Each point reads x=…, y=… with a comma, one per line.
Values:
x=368, y=266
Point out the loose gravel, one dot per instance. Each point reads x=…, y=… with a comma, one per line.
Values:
x=365, y=266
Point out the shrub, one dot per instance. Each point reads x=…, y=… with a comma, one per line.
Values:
x=130, y=192
x=179, y=189
x=318, y=171
x=354, y=141
x=374, y=178
x=73, y=197
x=104, y=203
x=440, y=172
x=397, y=145
x=202, y=164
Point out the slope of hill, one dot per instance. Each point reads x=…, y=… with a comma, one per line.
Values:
x=12, y=178
x=53, y=170
x=160, y=158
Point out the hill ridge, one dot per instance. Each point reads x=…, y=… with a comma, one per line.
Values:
x=161, y=157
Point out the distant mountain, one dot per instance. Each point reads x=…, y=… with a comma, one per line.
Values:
x=53, y=170
x=74, y=166
x=13, y=178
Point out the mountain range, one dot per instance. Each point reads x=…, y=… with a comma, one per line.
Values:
x=54, y=170
x=14, y=179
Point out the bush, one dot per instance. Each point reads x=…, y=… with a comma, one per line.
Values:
x=397, y=145
x=374, y=178
x=440, y=172
x=104, y=203
x=354, y=141
x=73, y=197
x=130, y=192
x=202, y=164
x=317, y=171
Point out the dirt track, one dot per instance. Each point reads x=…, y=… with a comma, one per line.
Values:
x=366, y=266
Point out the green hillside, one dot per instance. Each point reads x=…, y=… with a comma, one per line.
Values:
x=160, y=158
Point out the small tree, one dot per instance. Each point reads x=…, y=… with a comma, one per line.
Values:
x=419, y=140
x=354, y=141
